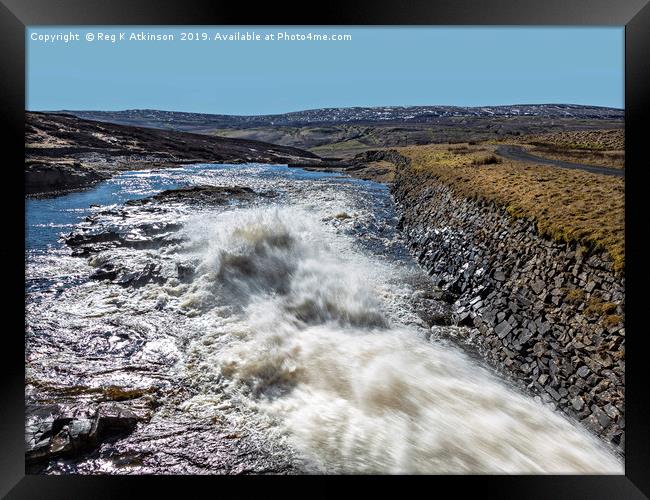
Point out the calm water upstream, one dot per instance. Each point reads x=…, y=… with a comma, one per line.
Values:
x=280, y=335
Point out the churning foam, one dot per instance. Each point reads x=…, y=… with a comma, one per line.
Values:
x=304, y=331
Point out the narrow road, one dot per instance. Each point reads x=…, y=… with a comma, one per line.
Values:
x=520, y=154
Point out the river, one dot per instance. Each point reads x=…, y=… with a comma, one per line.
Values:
x=288, y=333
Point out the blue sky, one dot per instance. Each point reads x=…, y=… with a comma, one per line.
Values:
x=465, y=66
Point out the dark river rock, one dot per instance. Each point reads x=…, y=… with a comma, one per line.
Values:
x=46, y=177
x=211, y=195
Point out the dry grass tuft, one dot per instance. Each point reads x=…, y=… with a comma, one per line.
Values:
x=612, y=320
x=487, y=160
x=597, y=307
x=575, y=296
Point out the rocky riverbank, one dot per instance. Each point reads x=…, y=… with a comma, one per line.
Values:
x=550, y=314
x=41, y=177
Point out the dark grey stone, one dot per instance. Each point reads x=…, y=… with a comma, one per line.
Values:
x=537, y=287
x=601, y=416
x=553, y=392
x=503, y=329
x=577, y=403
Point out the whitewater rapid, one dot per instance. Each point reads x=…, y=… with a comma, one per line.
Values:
x=316, y=349
x=296, y=325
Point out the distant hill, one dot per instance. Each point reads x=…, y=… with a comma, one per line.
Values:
x=178, y=120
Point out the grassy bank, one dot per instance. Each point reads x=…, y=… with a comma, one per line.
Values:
x=591, y=147
x=568, y=205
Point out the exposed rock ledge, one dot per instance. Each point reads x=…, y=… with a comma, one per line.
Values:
x=52, y=177
x=212, y=195
x=55, y=436
x=547, y=313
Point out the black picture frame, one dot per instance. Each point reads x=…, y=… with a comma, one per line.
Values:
x=15, y=15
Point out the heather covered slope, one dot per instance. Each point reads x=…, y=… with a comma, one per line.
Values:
x=66, y=152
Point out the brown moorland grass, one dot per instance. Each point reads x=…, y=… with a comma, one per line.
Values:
x=592, y=140
x=592, y=147
x=612, y=159
x=568, y=205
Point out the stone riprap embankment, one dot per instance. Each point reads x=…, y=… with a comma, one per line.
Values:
x=550, y=314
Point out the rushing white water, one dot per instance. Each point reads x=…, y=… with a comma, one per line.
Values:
x=315, y=349
x=294, y=324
